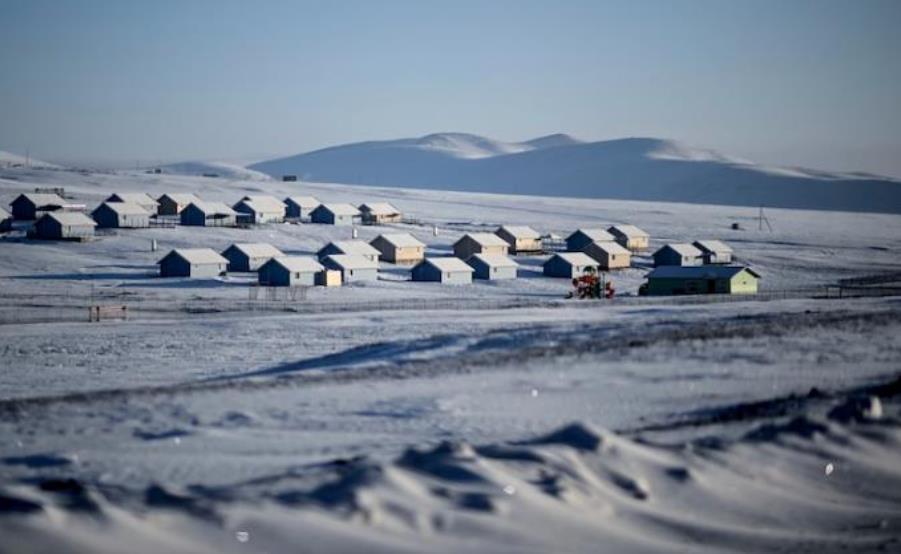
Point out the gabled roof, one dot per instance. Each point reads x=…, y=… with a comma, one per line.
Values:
x=448, y=264
x=42, y=198
x=256, y=249
x=197, y=256
x=352, y=261
x=575, y=258
x=608, y=246
x=340, y=209
x=263, y=203
x=484, y=239
x=301, y=264
x=494, y=260
x=303, y=201
x=70, y=218
x=182, y=198
x=629, y=231
x=4, y=214
x=379, y=208
x=683, y=249
x=353, y=247
x=132, y=197
x=714, y=246
x=213, y=207
x=401, y=240
x=124, y=208
x=699, y=272
x=596, y=235
x=520, y=231
x=258, y=207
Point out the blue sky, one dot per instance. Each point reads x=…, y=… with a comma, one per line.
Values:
x=813, y=83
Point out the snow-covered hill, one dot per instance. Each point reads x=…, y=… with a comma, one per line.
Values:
x=8, y=159
x=559, y=165
x=226, y=170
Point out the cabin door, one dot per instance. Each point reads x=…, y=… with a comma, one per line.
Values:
x=711, y=286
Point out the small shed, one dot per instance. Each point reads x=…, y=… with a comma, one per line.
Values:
x=609, y=255
x=358, y=247
x=492, y=267
x=172, y=203
x=705, y=279
x=568, y=264
x=31, y=206
x=521, y=239
x=677, y=253
x=630, y=236
x=140, y=198
x=375, y=213
x=121, y=215
x=399, y=248
x=6, y=221
x=260, y=209
x=209, y=214
x=353, y=267
x=249, y=256
x=479, y=243
x=334, y=214
x=290, y=271
x=297, y=207
x=453, y=271
x=64, y=226
x=199, y=263
x=577, y=241
x=714, y=252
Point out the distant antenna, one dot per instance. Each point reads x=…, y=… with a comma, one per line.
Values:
x=761, y=219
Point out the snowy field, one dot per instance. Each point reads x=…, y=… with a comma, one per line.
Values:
x=212, y=421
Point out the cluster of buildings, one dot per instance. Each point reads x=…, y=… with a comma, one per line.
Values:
x=704, y=266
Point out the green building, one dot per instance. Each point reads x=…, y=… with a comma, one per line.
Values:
x=705, y=279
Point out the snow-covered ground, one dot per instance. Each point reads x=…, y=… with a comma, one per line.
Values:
x=212, y=421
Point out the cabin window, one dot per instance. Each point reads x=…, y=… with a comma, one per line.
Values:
x=297, y=275
x=350, y=272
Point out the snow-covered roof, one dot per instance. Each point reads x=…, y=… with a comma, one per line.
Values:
x=484, y=239
x=520, y=231
x=197, y=255
x=264, y=203
x=256, y=249
x=596, y=235
x=683, y=249
x=132, y=197
x=379, y=208
x=448, y=264
x=182, y=198
x=495, y=260
x=608, y=246
x=4, y=214
x=71, y=218
x=626, y=230
x=402, y=240
x=125, y=208
x=301, y=264
x=340, y=209
x=43, y=198
x=308, y=202
x=354, y=247
x=213, y=208
x=714, y=246
x=575, y=258
x=700, y=272
x=352, y=261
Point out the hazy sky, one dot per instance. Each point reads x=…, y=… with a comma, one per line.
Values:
x=813, y=83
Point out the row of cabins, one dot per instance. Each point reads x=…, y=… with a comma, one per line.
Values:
x=701, y=252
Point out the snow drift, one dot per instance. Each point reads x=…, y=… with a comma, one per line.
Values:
x=559, y=165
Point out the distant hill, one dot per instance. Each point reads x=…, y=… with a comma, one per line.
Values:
x=226, y=170
x=560, y=165
x=8, y=159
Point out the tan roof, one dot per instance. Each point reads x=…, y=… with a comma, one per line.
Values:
x=683, y=248
x=256, y=249
x=341, y=209
x=71, y=218
x=264, y=203
x=596, y=235
x=141, y=198
x=485, y=239
x=630, y=231
x=712, y=246
x=401, y=240
x=352, y=261
x=126, y=208
x=608, y=246
x=302, y=264
x=308, y=202
x=379, y=208
x=213, y=208
x=448, y=264
x=44, y=199
x=575, y=258
x=355, y=247
x=495, y=260
x=180, y=197
x=198, y=255
x=520, y=231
